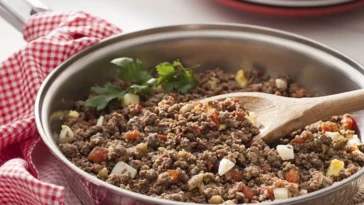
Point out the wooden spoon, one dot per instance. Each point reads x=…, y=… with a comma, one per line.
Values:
x=280, y=116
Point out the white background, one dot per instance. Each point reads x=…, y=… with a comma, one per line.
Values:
x=344, y=32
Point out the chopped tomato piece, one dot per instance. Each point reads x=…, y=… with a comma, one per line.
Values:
x=214, y=116
x=354, y=148
x=347, y=122
x=132, y=134
x=305, y=135
x=98, y=154
x=88, y=124
x=266, y=167
x=140, y=107
x=248, y=192
x=334, y=127
x=197, y=130
x=270, y=193
x=329, y=126
x=292, y=176
x=235, y=174
x=240, y=115
x=163, y=137
x=179, y=138
x=235, y=100
x=260, y=73
x=210, y=166
x=325, y=127
x=297, y=141
x=278, y=183
x=173, y=173
x=301, y=92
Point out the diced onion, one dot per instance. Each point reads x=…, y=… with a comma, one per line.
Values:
x=130, y=98
x=281, y=84
x=353, y=141
x=335, y=167
x=335, y=136
x=222, y=127
x=121, y=166
x=195, y=181
x=66, y=134
x=212, y=83
x=225, y=166
x=73, y=114
x=131, y=149
x=100, y=121
x=285, y=152
x=280, y=193
x=186, y=108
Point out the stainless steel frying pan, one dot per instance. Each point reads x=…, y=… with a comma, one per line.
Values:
x=317, y=67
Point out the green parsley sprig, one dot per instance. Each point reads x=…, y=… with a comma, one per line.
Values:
x=171, y=76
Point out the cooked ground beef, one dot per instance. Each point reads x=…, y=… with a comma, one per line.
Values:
x=180, y=150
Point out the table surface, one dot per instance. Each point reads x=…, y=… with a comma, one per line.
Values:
x=344, y=32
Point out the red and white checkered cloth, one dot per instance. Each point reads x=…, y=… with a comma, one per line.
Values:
x=53, y=37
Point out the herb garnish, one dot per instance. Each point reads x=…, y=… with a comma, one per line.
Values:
x=171, y=77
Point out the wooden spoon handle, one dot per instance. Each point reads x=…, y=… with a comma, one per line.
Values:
x=323, y=107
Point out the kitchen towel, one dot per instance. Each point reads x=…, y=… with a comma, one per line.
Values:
x=52, y=38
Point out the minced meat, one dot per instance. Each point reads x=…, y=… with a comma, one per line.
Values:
x=175, y=148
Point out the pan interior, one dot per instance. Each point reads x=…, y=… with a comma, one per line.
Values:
x=316, y=67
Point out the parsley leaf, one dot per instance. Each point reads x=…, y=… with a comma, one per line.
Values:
x=131, y=71
x=139, y=89
x=108, y=88
x=175, y=77
x=172, y=77
x=106, y=93
x=165, y=71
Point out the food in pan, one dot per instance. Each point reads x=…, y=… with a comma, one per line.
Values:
x=144, y=132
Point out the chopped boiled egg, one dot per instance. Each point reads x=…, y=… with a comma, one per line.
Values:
x=186, y=108
x=73, y=114
x=222, y=127
x=335, y=167
x=281, y=84
x=280, y=193
x=225, y=166
x=212, y=83
x=66, y=134
x=229, y=202
x=241, y=79
x=353, y=141
x=131, y=149
x=103, y=173
x=216, y=199
x=100, y=121
x=121, y=166
x=130, y=98
x=285, y=152
x=142, y=147
x=252, y=117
